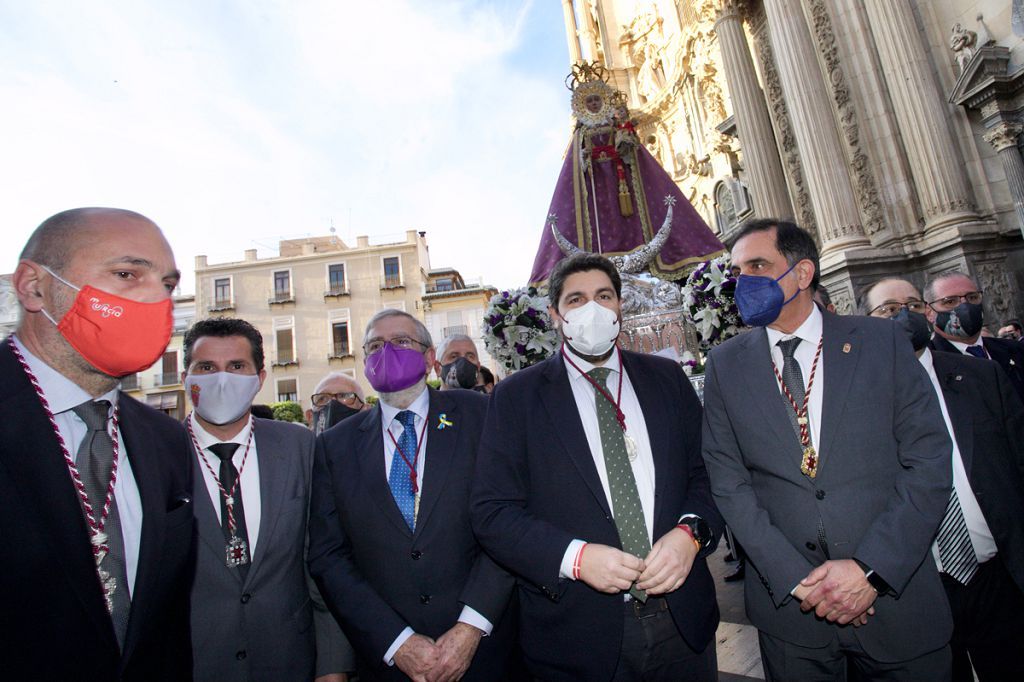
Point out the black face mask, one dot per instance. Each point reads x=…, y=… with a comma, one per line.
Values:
x=460, y=373
x=329, y=415
x=916, y=326
x=963, y=322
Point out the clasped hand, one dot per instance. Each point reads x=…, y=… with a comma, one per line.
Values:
x=445, y=660
x=839, y=592
x=664, y=570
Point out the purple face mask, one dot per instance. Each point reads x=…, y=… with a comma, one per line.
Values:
x=394, y=369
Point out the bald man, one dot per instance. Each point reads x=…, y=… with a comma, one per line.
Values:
x=337, y=397
x=95, y=488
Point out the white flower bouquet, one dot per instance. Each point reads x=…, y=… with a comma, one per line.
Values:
x=518, y=331
x=710, y=304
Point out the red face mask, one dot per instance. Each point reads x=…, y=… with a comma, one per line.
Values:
x=115, y=335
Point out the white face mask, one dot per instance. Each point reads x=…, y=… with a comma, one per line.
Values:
x=591, y=329
x=222, y=397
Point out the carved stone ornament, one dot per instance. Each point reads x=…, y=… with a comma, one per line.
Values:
x=863, y=178
x=962, y=42
x=1004, y=135
x=994, y=281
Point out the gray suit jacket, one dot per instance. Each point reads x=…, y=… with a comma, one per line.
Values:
x=262, y=629
x=884, y=478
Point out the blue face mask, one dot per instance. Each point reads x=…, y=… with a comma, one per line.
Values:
x=760, y=299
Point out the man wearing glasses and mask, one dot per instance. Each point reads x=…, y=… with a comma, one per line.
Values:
x=458, y=363
x=955, y=310
x=337, y=397
x=979, y=547
x=391, y=547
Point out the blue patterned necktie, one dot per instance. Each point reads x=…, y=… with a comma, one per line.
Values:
x=399, y=477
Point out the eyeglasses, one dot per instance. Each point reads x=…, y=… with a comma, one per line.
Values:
x=892, y=309
x=347, y=398
x=950, y=302
x=403, y=342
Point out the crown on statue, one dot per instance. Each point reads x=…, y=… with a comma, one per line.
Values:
x=586, y=72
x=594, y=101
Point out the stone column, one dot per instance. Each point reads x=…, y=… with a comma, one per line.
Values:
x=824, y=161
x=921, y=112
x=570, y=32
x=751, y=111
x=1004, y=139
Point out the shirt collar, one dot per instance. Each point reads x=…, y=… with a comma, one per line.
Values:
x=613, y=363
x=420, y=406
x=927, y=363
x=963, y=346
x=809, y=331
x=205, y=439
x=62, y=394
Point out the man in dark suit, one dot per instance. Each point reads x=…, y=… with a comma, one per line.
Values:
x=828, y=458
x=955, y=309
x=391, y=546
x=590, y=487
x=984, y=573
x=95, y=576
x=252, y=615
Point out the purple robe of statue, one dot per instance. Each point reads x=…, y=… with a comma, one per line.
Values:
x=588, y=182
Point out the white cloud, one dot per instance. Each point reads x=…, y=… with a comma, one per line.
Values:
x=233, y=124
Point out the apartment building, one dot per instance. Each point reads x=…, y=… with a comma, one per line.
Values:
x=453, y=306
x=312, y=302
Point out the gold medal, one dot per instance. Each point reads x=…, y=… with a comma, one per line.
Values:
x=809, y=463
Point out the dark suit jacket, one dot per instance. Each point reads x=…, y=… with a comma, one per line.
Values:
x=269, y=616
x=883, y=482
x=988, y=421
x=376, y=576
x=1008, y=353
x=55, y=625
x=537, y=488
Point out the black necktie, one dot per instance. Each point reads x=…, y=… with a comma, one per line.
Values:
x=228, y=476
x=95, y=459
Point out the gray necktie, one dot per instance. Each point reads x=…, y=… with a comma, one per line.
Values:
x=955, y=549
x=94, y=461
x=793, y=378
x=629, y=513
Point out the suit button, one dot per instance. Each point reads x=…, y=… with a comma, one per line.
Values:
x=416, y=554
x=424, y=598
x=246, y=597
x=820, y=494
x=811, y=546
x=240, y=655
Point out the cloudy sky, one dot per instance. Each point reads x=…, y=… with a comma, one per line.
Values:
x=234, y=123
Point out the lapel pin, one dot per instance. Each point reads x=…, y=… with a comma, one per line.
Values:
x=959, y=377
x=846, y=347
x=443, y=421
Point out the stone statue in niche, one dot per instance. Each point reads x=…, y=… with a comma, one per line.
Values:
x=962, y=42
x=645, y=42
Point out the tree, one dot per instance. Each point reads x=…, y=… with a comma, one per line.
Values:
x=288, y=411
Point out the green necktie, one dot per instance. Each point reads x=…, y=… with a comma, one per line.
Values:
x=629, y=514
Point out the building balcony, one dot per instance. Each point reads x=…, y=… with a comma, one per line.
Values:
x=334, y=292
x=281, y=299
x=166, y=379
x=285, y=361
x=130, y=382
x=391, y=283
x=340, y=351
x=457, y=329
x=221, y=306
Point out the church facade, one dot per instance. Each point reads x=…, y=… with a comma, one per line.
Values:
x=891, y=129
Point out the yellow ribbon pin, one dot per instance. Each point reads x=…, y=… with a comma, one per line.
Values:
x=442, y=421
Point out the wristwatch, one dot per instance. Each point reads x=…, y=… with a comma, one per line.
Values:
x=700, y=529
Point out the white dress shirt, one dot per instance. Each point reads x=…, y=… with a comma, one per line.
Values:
x=390, y=425
x=981, y=536
x=249, y=475
x=636, y=428
x=810, y=335
x=962, y=347
x=63, y=395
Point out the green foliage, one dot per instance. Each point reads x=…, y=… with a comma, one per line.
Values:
x=371, y=400
x=434, y=383
x=288, y=411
